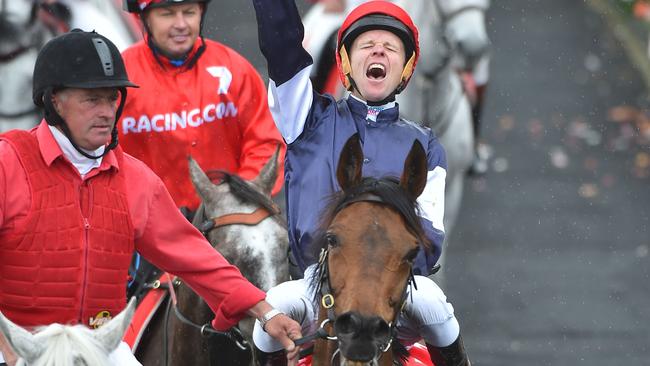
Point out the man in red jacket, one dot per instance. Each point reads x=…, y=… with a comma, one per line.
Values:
x=74, y=207
x=197, y=97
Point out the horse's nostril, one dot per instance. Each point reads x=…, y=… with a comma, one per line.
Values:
x=381, y=329
x=347, y=323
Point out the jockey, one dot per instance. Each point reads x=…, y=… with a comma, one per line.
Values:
x=74, y=207
x=377, y=52
x=197, y=97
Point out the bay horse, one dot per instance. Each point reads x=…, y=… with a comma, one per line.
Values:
x=369, y=238
x=67, y=345
x=241, y=221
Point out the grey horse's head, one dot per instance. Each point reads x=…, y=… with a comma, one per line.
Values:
x=63, y=345
x=258, y=249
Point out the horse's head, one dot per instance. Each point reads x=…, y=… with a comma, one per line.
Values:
x=233, y=215
x=465, y=28
x=371, y=235
x=60, y=345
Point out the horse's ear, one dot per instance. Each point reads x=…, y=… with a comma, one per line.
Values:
x=348, y=172
x=201, y=182
x=414, y=176
x=22, y=341
x=110, y=334
x=269, y=173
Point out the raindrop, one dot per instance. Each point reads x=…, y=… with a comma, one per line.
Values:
x=592, y=62
x=559, y=158
x=500, y=165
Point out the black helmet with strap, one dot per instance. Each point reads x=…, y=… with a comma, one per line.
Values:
x=78, y=59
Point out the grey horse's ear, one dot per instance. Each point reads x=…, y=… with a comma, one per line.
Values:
x=348, y=170
x=201, y=182
x=110, y=334
x=269, y=173
x=22, y=341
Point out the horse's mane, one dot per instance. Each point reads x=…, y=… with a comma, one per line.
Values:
x=243, y=191
x=63, y=344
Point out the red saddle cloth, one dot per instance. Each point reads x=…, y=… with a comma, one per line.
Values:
x=144, y=312
x=419, y=357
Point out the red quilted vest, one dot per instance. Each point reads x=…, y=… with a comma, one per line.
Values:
x=66, y=260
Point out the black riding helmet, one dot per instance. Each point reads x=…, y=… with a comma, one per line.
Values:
x=78, y=59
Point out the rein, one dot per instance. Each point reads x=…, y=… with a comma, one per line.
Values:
x=206, y=329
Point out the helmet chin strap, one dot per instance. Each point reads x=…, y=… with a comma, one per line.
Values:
x=53, y=118
x=389, y=98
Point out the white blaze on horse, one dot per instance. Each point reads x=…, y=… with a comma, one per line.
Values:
x=67, y=345
x=452, y=36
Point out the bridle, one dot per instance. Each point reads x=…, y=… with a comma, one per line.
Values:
x=327, y=300
x=206, y=330
x=239, y=218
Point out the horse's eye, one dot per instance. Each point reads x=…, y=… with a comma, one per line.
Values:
x=332, y=240
x=410, y=256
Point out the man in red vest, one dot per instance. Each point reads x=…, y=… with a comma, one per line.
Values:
x=74, y=207
x=197, y=97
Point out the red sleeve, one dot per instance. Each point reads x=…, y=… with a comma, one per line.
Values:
x=260, y=137
x=169, y=241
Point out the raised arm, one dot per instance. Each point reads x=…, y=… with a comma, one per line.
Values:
x=290, y=91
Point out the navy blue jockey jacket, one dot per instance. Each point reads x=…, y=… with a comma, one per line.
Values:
x=316, y=127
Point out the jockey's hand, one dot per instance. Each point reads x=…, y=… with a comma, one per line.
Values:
x=280, y=327
x=285, y=330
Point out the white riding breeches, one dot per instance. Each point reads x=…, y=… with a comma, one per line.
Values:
x=427, y=316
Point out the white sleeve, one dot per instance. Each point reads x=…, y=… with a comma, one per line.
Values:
x=432, y=199
x=290, y=104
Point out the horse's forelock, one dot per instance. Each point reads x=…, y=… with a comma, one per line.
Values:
x=243, y=191
x=70, y=345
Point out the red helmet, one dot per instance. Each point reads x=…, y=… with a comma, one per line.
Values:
x=384, y=15
x=138, y=6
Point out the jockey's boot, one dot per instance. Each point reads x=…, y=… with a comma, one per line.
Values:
x=277, y=358
x=452, y=355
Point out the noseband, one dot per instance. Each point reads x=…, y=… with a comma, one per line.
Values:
x=239, y=218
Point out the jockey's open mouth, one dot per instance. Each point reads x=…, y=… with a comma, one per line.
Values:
x=376, y=71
